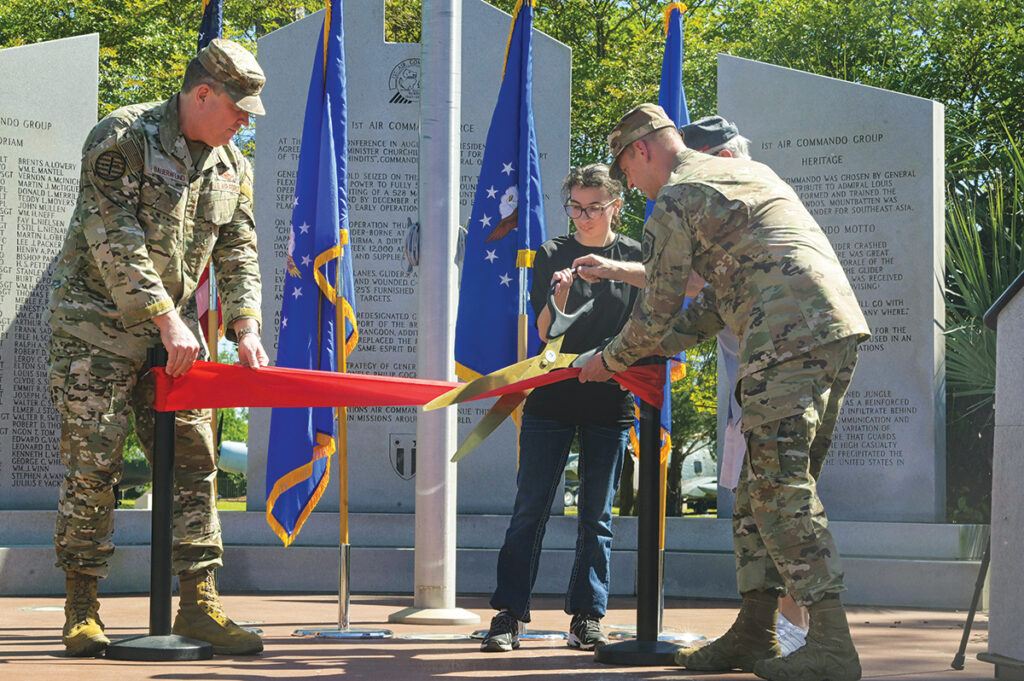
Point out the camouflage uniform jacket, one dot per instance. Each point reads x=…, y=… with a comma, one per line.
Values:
x=775, y=280
x=147, y=221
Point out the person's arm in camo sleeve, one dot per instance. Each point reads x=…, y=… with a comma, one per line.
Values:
x=111, y=186
x=236, y=262
x=694, y=325
x=669, y=252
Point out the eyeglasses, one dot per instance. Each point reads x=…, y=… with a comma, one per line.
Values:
x=576, y=211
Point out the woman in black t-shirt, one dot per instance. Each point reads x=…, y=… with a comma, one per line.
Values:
x=601, y=414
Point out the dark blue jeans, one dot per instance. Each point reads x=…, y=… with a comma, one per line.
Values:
x=543, y=450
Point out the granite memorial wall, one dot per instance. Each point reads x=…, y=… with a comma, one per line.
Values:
x=47, y=108
x=868, y=164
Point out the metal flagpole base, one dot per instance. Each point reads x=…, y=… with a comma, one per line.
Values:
x=625, y=632
x=638, y=653
x=159, y=649
x=350, y=633
x=433, y=616
x=343, y=631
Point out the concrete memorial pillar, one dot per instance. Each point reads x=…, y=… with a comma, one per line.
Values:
x=1006, y=598
x=868, y=164
x=384, y=119
x=47, y=108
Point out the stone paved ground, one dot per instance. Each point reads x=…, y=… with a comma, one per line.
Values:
x=894, y=644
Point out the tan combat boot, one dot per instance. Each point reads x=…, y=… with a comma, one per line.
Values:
x=750, y=638
x=829, y=654
x=200, y=616
x=83, y=629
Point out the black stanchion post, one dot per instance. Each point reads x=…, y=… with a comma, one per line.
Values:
x=161, y=644
x=958, y=659
x=648, y=576
x=163, y=510
x=645, y=650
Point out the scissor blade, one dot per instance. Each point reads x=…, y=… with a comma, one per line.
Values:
x=499, y=411
x=479, y=386
x=547, y=361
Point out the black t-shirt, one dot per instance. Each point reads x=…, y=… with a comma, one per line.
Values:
x=601, y=404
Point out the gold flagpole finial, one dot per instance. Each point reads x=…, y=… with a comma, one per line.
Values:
x=327, y=33
x=668, y=12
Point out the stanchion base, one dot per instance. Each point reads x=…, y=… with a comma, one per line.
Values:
x=427, y=636
x=159, y=649
x=344, y=634
x=528, y=635
x=624, y=633
x=443, y=616
x=638, y=653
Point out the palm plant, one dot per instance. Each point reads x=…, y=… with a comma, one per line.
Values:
x=984, y=254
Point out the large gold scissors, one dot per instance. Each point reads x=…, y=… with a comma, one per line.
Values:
x=550, y=359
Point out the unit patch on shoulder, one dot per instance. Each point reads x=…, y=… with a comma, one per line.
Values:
x=647, y=247
x=110, y=165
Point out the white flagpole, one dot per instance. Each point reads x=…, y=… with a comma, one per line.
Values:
x=440, y=111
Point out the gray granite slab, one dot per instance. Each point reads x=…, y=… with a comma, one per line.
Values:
x=1007, y=598
x=1009, y=350
x=868, y=164
x=1006, y=619
x=47, y=108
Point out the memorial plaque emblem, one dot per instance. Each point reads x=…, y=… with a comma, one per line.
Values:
x=404, y=82
x=402, y=453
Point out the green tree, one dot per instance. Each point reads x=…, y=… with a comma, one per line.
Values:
x=144, y=45
x=694, y=402
x=694, y=416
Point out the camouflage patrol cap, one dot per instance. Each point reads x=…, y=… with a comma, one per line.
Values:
x=708, y=132
x=637, y=123
x=237, y=70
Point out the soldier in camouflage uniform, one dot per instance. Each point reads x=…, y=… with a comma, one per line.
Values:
x=777, y=284
x=163, y=189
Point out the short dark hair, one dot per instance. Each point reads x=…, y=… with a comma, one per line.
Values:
x=196, y=75
x=593, y=175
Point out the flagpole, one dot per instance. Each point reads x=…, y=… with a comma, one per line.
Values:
x=211, y=26
x=212, y=314
x=332, y=200
x=522, y=345
x=439, y=170
x=341, y=415
x=212, y=337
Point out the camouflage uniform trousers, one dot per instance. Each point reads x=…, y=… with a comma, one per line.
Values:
x=95, y=393
x=780, y=530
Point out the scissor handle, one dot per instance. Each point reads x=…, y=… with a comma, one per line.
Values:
x=560, y=321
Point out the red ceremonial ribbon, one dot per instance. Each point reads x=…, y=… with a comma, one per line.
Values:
x=210, y=385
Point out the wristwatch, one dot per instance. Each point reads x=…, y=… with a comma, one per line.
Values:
x=246, y=330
